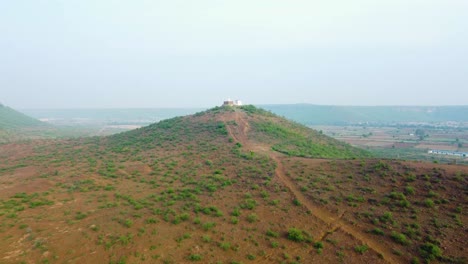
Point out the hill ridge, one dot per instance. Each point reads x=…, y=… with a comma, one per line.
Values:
x=280, y=134
x=333, y=222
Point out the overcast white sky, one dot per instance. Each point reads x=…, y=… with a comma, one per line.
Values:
x=110, y=53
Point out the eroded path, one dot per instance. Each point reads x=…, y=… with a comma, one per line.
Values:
x=333, y=222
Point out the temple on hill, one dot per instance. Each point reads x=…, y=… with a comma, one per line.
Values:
x=230, y=102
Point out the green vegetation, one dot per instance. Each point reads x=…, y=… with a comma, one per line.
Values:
x=195, y=257
x=429, y=203
x=400, y=238
x=11, y=119
x=377, y=231
x=361, y=249
x=252, y=218
x=272, y=234
x=430, y=251
x=188, y=185
x=297, y=235
x=307, y=146
x=16, y=126
x=296, y=140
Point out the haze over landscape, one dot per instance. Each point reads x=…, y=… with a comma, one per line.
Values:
x=121, y=54
x=118, y=143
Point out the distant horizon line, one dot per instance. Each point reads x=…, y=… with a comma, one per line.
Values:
x=208, y=107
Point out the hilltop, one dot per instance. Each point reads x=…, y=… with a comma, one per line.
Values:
x=264, y=127
x=229, y=185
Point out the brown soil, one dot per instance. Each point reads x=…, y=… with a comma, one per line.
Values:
x=205, y=199
x=333, y=222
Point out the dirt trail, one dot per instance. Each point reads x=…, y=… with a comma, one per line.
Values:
x=333, y=222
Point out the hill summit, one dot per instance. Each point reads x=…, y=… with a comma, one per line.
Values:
x=257, y=129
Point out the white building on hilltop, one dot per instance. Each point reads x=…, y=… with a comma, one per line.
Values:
x=230, y=102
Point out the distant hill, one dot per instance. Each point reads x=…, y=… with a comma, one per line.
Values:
x=341, y=115
x=303, y=113
x=12, y=119
x=138, y=116
x=16, y=126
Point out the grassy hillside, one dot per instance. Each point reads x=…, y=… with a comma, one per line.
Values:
x=282, y=135
x=16, y=126
x=295, y=139
x=11, y=119
x=339, y=115
x=418, y=208
x=209, y=188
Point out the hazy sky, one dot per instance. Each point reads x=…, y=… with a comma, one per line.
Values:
x=172, y=53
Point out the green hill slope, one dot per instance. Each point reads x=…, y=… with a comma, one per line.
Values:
x=211, y=188
x=294, y=139
x=260, y=128
x=12, y=119
x=16, y=126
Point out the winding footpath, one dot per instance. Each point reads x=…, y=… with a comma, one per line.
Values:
x=333, y=222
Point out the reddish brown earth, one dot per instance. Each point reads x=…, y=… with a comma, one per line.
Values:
x=196, y=199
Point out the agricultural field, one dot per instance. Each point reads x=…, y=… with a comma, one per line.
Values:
x=404, y=142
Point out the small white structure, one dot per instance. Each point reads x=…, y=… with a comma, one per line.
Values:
x=230, y=102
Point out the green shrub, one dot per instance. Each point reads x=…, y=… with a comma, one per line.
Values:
x=409, y=190
x=128, y=223
x=430, y=251
x=397, y=196
x=400, y=238
x=195, y=257
x=272, y=234
x=429, y=203
x=361, y=249
x=251, y=218
x=296, y=202
x=151, y=221
x=225, y=246
x=377, y=231
x=318, y=245
x=249, y=204
x=386, y=217
x=296, y=235
x=209, y=225
x=410, y=178
x=235, y=212
x=80, y=215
